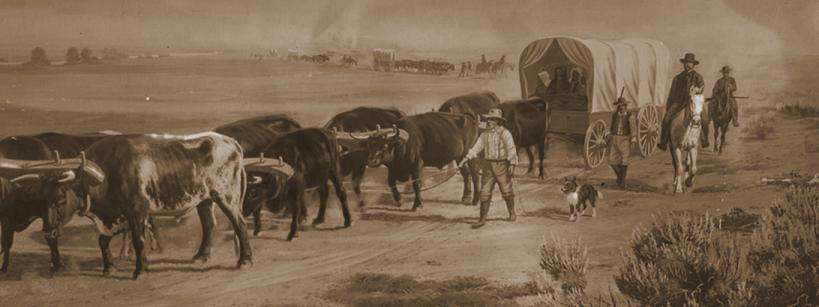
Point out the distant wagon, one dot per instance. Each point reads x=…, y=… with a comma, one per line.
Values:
x=594, y=74
x=383, y=59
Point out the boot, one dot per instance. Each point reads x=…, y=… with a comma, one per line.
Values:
x=623, y=172
x=510, y=206
x=484, y=212
x=616, y=169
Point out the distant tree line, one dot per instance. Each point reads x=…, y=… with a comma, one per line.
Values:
x=76, y=56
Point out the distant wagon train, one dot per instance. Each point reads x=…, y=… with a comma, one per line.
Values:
x=580, y=79
x=383, y=59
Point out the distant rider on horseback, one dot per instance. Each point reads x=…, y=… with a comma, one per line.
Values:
x=724, y=93
x=679, y=96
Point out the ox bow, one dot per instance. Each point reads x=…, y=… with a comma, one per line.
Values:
x=378, y=132
x=268, y=166
x=69, y=169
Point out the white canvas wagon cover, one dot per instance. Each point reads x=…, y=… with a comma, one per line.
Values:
x=639, y=65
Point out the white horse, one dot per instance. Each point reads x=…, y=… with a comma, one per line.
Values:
x=685, y=139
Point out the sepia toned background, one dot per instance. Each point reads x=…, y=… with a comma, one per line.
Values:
x=206, y=78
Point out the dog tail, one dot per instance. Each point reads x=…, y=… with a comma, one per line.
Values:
x=599, y=194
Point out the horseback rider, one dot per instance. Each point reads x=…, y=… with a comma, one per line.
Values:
x=619, y=140
x=679, y=96
x=723, y=93
x=501, y=157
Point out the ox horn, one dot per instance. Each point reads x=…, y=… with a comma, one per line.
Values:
x=254, y=180
x=25, y=177
x=67, y=176
x=361, y=136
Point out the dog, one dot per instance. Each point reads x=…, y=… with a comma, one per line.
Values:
x=580, y=195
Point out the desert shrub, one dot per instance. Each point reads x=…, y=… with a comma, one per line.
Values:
x=759, y=126
x=799, y=109
x=72, y=56
x=785, y=251
x=38, y=57
x=681, y=260
x=566, y=262
x=738, y=220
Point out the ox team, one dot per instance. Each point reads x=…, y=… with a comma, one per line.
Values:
x=123, y=180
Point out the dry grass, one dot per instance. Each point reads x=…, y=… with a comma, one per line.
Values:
x=760, y=126
x=802, y=103
x=370, y=289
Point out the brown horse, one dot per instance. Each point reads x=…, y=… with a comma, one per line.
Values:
x=685, y=139
x=719, y=113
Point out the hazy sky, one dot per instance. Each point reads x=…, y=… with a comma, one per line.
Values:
x=715, y=27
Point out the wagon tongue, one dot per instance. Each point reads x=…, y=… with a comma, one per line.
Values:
x=266, y=165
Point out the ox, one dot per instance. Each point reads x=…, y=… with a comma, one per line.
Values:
x=314, y=157
x=473, y=104
x=22, y=200
x=431, y=139
x=255, y=134
x=527, y=120
x=162, y=174
x=361, y=119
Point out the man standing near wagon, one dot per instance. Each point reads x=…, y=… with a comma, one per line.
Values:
x=619, y=140
x=679, y=96
x=501, y=157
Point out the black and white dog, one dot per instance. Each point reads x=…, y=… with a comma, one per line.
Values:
x=580, y=195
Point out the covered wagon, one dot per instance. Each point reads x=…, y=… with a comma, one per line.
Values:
x=582, y=78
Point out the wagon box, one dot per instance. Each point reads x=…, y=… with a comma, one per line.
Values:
x=636, y=69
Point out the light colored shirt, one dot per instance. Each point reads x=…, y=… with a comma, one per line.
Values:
x=496, y=144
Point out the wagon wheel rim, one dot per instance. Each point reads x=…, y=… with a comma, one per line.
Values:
x=647, y=130
x=594, y=146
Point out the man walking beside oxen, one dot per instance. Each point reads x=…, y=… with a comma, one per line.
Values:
x=679, y=96
x=500, y=157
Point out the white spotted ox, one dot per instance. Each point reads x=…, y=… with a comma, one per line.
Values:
x=164, y=175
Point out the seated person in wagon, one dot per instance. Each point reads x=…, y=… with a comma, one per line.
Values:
x=559, y=85
x=577, y=83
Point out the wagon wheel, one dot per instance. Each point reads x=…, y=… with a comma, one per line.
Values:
x=648, y=129
x=594, y=146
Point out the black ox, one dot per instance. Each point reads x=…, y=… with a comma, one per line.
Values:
x=313, y=153
x=473, y=104
x=527, y=121
x=431, y=139
x=255, y=134
x=354, y=157
x=44, y=197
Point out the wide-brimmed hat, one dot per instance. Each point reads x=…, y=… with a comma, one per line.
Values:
x=689, y=58
x=725, y=69
x=620, y=101
x=494, y=114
